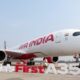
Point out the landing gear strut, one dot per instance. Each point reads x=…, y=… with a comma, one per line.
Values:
x=76, y=56
x=7, y=61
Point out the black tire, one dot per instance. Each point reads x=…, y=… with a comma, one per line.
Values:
x=31, y=63
x=55, y=59
x=6, y=62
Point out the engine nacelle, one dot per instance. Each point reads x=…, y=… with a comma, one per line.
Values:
x=51, y=59
x=55, y=59
x=2, y=55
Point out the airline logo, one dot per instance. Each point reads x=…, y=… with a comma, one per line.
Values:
x=38, y=41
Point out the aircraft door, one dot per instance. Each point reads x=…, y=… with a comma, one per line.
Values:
x=66, y=36
x=58, y=38
x=61, y=37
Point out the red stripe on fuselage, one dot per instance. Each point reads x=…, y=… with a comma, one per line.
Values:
x=27, y=56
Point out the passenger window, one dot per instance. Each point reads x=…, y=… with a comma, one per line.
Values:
x=76, y=33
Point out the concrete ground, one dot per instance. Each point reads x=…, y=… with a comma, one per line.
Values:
x=30, y=76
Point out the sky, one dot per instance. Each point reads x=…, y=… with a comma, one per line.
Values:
x=22, y=20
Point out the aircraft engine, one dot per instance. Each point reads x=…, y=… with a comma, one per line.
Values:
x=55, y=59
x=51, y=59
x=2, y=55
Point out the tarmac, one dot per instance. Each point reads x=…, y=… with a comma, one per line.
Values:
x=32, y=76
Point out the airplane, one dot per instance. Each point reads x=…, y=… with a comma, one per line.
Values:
x=50, y=46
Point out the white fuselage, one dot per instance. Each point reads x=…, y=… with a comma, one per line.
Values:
x=59, y=43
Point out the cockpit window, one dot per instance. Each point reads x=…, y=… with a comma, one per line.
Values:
x=76, y=33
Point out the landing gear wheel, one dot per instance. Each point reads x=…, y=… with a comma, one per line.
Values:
x=7, y=61
x=31, y=62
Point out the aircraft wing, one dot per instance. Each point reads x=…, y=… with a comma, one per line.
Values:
x=18, y=54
